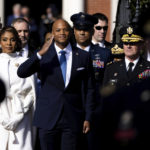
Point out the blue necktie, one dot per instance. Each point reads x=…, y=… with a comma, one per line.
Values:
x=63, y=64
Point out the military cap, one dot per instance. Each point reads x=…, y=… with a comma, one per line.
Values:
x=130, y=34
x=83, y=21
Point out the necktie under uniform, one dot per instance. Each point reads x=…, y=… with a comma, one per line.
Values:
x=63, y=64
x=129, y=72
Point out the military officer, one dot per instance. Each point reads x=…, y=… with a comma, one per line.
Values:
x=133, y=68
x=83, y=30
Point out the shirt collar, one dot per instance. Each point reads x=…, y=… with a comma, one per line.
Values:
x=101, y=44
x=68, y=48
x=127, y=61
x=26, y=47
x=86, y=48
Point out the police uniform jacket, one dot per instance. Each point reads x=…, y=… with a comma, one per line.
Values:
x=116, y=73
x=100, y=57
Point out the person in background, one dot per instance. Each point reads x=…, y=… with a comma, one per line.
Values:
x=23, y=28
x=47, y=19
x=48, y=36
x=61, y=114
x=100, y=31
x=16, y=110
x=25, y=12
x=16, y=14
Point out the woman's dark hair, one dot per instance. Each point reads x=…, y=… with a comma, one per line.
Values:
x=15, y=33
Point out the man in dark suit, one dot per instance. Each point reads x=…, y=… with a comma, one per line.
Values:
x=61, y=114
x=83, y=31
x=28, y=44
x=133, y=68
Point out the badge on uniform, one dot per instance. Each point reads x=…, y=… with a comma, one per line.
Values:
x=98, y=64
x=145, y=74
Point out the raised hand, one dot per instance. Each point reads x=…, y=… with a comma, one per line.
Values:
x=46, y=46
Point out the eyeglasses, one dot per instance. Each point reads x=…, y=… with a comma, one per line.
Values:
x=100, y=28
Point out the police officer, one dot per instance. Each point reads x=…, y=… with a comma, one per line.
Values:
x=133, y=68
x=83, y=30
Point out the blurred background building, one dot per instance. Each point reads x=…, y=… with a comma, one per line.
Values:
x=68, y=7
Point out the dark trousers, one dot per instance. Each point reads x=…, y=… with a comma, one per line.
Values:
x=59, y=138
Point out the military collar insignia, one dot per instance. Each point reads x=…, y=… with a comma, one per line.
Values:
x=129, y=30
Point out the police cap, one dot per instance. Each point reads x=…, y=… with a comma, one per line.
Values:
x=83, y=21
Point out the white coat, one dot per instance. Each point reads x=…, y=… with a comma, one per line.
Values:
x=16, y=111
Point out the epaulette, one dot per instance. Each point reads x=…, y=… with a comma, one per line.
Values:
x=117, y=50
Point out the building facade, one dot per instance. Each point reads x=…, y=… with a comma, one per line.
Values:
x=69, y=7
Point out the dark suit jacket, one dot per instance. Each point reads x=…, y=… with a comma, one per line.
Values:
x=132, y=131
x=32, y=47
x=116, y=73
x=10, y=19
x=54, y=97
x=108, y=44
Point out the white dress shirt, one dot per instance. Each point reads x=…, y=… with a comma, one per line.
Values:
x=68, y=55
x=134, y=62
x=86, y=48
x=101, y=44
x=24, y=52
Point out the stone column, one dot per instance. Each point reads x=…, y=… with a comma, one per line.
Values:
x=69, y=7
x=114, y=5
x=2, y=12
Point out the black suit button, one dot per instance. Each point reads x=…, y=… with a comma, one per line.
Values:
x=128, y=84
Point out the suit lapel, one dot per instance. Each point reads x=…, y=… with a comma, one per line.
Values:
x=75, y=55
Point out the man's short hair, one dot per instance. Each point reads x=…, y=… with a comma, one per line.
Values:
x=19, y=20
x=101, y=16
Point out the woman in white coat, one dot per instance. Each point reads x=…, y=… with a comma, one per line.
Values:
x=16, y=130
